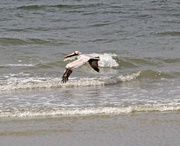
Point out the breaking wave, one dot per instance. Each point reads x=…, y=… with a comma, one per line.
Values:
x=107, y=60
x=89, y=111
x=36, y=83
x=49, y=83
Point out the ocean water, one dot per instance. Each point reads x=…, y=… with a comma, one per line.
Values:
x=137, y=42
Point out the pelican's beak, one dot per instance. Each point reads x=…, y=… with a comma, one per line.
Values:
x=70, y=55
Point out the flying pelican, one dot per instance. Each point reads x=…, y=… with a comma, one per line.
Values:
x=81, y=59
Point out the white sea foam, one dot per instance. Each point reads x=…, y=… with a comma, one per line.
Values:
x=18, y=65
x=46, y=83
x=121, y=78
x=90, y=111
x=106, y=60
x=129, y=77
x=32, y=83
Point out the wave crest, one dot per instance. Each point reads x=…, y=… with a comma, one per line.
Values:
x=12, y=83
x=89, y=111
x=15, y=83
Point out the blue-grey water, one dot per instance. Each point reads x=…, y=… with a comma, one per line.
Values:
x=137, y=42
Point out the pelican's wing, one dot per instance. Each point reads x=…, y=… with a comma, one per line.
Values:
x=77, y=63
x=73, y=65
x=66, y=75
x=94, y=63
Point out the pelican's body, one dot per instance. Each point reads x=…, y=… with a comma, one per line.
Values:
x=81, y=59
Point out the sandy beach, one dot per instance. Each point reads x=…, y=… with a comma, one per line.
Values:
x=132, y=129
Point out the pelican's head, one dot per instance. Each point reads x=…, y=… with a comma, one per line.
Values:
x=77, y=52
x=72, y=54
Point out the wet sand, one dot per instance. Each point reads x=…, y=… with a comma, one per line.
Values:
x=130, y=129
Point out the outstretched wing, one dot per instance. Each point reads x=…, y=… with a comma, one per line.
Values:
x=71, y=66
x=94, y=64
x=66, y=75
x=82, y=59
x=77, y=63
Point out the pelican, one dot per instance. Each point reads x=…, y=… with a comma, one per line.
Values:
x=81, y=59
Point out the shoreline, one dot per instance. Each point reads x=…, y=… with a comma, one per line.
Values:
x=126, y=129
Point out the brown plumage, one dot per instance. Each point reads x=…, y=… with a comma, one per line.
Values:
x=66, y=75
x=94, y=64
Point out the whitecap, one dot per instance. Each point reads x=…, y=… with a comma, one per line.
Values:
x=129, y=77
x=90, y=111
x=18, y=65
x=106, y=60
